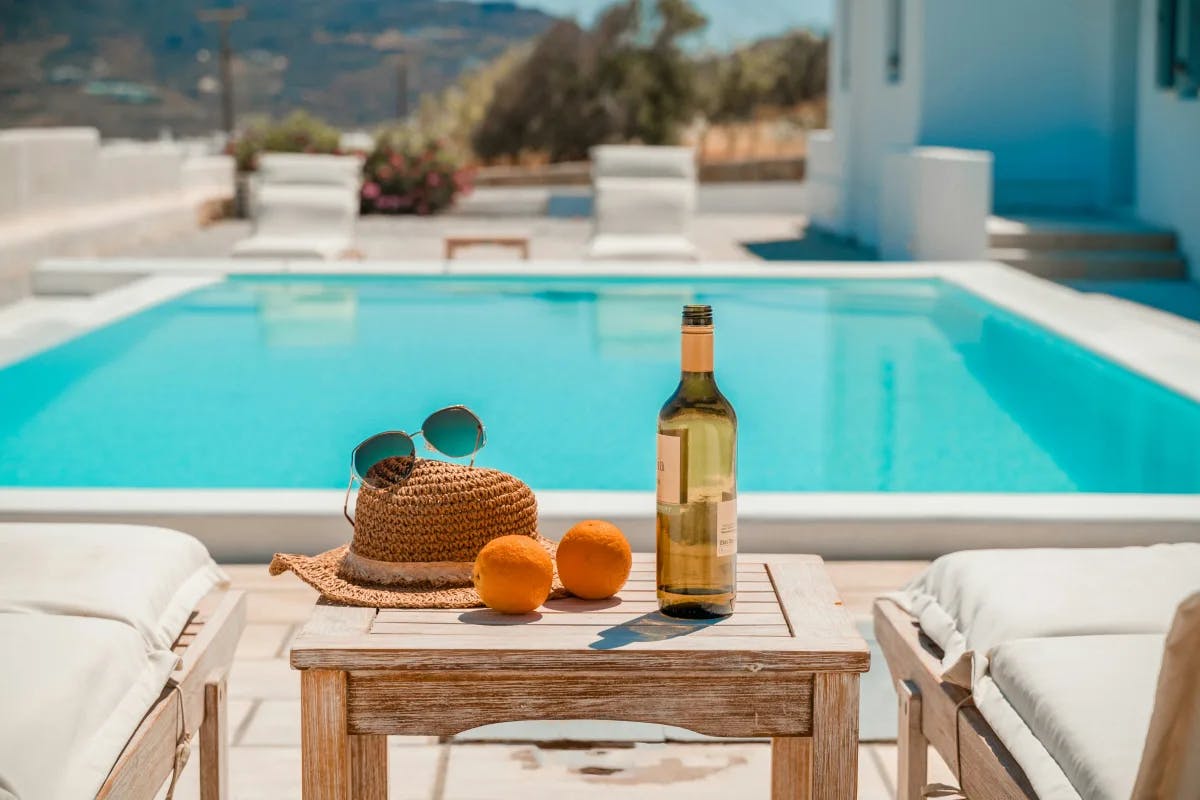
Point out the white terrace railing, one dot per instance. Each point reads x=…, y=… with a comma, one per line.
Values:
x=64, y=192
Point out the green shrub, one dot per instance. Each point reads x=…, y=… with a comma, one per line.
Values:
x=298, y=132
x=410, y=174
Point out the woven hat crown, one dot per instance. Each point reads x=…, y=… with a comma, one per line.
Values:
x=433, y=511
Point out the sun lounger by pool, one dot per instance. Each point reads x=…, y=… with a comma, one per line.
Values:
x=644, y=201
x=1036, y=673
x=307, y=169
x=304, y=206
x=116, y=643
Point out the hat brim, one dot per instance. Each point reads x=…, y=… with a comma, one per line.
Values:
x=323, y=573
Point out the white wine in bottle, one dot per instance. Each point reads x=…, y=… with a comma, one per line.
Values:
x=697, y=485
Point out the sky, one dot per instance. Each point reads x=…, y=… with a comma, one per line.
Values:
x=730, y=21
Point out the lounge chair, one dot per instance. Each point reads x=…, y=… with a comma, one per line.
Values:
x=117, y=640
x=1036, y=673
x=304, y=207
x=303, y=169
x=644, y=201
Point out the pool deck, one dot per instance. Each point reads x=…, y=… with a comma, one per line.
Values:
x=597, y=760
x=848, y=526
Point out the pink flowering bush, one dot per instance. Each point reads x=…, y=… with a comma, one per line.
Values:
x=403, y=177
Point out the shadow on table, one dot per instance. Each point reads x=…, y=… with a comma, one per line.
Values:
x=653, y=627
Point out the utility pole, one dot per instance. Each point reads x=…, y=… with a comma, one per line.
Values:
x=224, y=17
x=402, y=87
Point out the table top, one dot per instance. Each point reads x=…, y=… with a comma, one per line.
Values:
x=483, y=237
x=787, y=617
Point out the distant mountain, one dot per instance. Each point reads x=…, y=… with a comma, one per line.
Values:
x=132, y=67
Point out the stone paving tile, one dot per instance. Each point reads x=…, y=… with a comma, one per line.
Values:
x=264, y=640
x=660, y=771
x=873, y=783
x=291, y=607
x=255, y=577
x=885, y=758
x=273, y=773
x=264, y=679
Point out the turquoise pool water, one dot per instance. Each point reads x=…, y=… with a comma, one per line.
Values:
x=847, y=385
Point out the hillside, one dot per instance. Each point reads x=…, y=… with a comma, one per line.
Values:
x=132, y=67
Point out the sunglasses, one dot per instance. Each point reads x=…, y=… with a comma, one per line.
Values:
x=453, y=431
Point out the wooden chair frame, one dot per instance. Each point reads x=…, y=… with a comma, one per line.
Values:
x=933, y=711
x=194, y=701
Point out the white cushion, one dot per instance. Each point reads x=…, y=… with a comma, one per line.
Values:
x=640, y=161
x=1074, y=710
x=974, y=600
x=148, y=578
x=304, y=210
x=618, y=246
x=643, y=206
x=72, y=690
x=309, y=168
x=324, y=248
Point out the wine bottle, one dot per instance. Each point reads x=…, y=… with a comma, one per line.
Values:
x=696, y=533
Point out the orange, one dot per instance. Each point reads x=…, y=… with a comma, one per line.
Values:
x=513, y=574
x=594, y=560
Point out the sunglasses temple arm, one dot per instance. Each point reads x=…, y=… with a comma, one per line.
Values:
x=346, y=502
x=475, y=452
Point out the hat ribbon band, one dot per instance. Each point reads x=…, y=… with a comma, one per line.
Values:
x=356, y=567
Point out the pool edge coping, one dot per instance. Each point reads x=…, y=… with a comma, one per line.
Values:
x=1161, y=353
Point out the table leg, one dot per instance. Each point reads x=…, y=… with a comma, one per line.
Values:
x=214, y=736
x=912, y=748
x=324, y=741
x=369, y=767
x=791, y=768
x=835, y=736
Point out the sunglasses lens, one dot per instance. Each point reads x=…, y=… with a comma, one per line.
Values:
x=377, y=448
x=454, y=431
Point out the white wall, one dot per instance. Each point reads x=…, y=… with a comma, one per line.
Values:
x=873, y=117
x=1043, y=85
x=62, y=192
x=1168, y=152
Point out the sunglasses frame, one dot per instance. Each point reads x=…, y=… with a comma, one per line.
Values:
x=480, y=442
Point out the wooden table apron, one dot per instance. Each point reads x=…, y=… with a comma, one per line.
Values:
x=785, y=666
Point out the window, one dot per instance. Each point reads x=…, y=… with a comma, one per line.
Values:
x=1177, y=57
x=895, y=41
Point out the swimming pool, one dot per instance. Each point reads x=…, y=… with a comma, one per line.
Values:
x=840, y=386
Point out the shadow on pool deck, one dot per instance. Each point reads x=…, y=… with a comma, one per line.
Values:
x=812, y=245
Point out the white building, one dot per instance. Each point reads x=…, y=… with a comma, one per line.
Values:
x=944, y=111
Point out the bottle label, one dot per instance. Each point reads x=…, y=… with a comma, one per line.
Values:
x=727, y=528
x=670, y=474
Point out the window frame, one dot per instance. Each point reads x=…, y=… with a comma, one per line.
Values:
x=893, y=60
x=1177, y=51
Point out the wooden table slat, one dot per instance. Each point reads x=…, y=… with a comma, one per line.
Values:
x=598, y=631
x=595, y=619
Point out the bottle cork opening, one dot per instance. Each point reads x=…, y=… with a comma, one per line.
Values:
x=697, y=316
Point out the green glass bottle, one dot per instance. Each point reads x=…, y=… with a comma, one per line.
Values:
x=696, y=533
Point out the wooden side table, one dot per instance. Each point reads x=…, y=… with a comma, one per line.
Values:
x=785, y=665
x=455, y=243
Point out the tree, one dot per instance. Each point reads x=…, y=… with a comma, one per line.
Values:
x=627, y=79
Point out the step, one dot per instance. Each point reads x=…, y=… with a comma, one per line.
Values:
x=1146, y=241
x=1078, y=234
x=1094, y=264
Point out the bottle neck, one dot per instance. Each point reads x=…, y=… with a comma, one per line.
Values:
x=697, y=355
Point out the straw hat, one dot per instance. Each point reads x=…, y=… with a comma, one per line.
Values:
x=418, y=526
